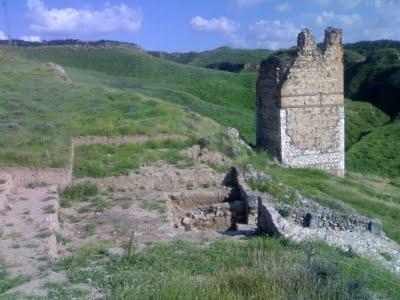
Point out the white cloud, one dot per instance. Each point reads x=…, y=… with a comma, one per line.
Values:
x=283, y=7
x=245, y=3
x=3, y=36
x=331, y=18
x=220, y=25
x=346, y=4
x=30, y=38
x=274, y=34
x=70, y=21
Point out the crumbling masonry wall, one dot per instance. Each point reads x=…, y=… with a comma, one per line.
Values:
x=300, y=104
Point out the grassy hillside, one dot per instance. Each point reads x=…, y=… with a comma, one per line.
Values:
x=234, y=56
x=361, y=119
x=39, y=113
x=100, y=74
x=212, y=86
x=219, y=95
x=219, y=55
x=377, y=153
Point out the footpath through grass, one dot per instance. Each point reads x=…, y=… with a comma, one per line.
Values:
x=257, y=268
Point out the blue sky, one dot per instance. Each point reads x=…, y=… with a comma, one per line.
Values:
x=183, y=25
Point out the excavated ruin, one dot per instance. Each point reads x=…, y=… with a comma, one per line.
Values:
x=221, y=209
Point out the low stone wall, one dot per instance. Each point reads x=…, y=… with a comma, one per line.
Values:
x=304, y=213
x=6, y=186
x=51, y=176
x=308, y=213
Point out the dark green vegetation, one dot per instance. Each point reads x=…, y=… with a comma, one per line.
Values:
x=8, y=282
x=378, y=152
x=361, y=119
x=352, y=57
x=376, y=79
x=258, y=268
x=373, y=75
x=367, y=47
x=219, y=55
x=115, y=160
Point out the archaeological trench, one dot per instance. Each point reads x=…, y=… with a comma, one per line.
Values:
x=300, y=120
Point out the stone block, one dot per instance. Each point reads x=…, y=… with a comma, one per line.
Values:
x=375, y=226
x=265, y=222
x=311, y=220
x=251, y=200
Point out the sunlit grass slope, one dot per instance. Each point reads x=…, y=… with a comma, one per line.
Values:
x=219, y=95
x=39, y=113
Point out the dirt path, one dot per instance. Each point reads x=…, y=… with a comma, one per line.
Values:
x=28, y=229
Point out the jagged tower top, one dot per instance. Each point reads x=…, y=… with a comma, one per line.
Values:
x=306, y=41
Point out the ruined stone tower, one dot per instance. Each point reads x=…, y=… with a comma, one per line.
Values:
x=300, y=104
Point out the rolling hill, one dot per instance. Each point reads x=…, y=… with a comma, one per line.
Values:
x=220, y=95
x=217, y=56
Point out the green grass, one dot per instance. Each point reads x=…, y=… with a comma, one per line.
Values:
x=377, y=153
x=77, y=192
x=352, y=57
x=49, y=209
x=39, y=113
x=97, y=204
x=376, y=80
x=114, y=160
x=258, y=268
x=361, y=119
x=221, y=88
x=44, y=233
x=8, y=282
x=159, y=206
